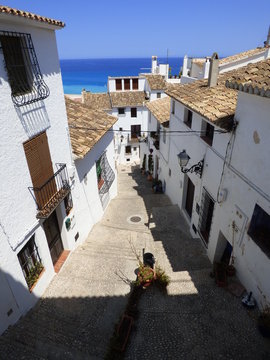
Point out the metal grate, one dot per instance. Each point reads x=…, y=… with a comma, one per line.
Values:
x=206, y=215
x=24, y=75
x=105, y=172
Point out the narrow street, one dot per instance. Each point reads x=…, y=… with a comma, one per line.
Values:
x=76, y=316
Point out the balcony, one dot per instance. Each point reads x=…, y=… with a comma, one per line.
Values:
x=51, y=193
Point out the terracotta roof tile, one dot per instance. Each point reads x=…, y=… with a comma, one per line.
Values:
x=253, y=78
x=86, y=126
x=217, y=103
x=127, y=98
x=241, y=55
x=100, y=101
x=31, y=16
x=156, y=82
x=160, y=108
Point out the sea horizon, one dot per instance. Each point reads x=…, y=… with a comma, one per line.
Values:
x=92, y=74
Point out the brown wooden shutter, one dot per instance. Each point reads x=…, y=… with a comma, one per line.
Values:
x=118, y=84
x=39, y=162
x=127, y=84
x=135, y=84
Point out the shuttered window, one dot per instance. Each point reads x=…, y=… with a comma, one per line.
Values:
x=118, y=84
x=127, y=84
x=206, y=215
x=135, y=84
x=39, y=162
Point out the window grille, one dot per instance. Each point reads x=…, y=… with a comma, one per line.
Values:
x=105, y=174
x=30, y=262
x=24, y=75
x=206, y=215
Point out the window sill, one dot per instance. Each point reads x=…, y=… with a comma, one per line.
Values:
x=33, y=286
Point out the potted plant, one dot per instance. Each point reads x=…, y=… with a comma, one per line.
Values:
x=143, y=164
x=264, y=322
x=146, y=275
x=150, y=167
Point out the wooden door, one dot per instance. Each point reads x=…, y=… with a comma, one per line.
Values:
x=135, y=131
x=190, y=197
x=39, y=162
x=53, y=236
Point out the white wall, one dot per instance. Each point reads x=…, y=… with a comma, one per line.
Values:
x=17, y=208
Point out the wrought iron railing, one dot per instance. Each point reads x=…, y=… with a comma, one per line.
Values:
x=52, y=192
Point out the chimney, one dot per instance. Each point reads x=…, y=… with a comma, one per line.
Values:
x=267, y=42
x=213, y=72
x=154, y=64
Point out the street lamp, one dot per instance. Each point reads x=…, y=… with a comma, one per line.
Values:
x=183, y=160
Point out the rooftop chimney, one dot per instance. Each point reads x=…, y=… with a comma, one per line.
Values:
x=213, y=72
x=154, y=64
x=267, y=42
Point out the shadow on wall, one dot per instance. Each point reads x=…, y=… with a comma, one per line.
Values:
x=12, y=297
x=34, y=118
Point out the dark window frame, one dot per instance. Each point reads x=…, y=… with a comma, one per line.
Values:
x=188, y=118
x=259, y=229
x=118, y=84
x=136, y=82
x=128, y=147
x=206, y=215
x=207, y=133
x=24, y=75
x=121, y=111
x=158, y=95
x=126, y=84
x=133, y=112
x=30, y=262
x=173, y=107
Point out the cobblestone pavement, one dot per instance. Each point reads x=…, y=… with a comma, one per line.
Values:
x=76, y=316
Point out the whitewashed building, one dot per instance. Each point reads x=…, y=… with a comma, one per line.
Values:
x=198, y=68
x=223, y=191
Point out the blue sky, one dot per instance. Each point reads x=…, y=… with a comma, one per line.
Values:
x=141, y=28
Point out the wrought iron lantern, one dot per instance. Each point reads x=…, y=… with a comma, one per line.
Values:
x=183, y=159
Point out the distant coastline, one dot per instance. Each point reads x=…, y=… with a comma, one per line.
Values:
x=92, y=74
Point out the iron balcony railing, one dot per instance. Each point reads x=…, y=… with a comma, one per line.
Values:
x=52, y=192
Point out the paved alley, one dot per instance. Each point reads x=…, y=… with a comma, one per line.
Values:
x=76, y=316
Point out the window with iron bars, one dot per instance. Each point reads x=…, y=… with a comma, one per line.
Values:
x=30, y=262
x=24, y=75
x=206, y=215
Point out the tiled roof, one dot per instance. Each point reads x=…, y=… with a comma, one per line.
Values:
x=242, y=55
x=31, y=16
x=253, y=78
x=127, y=98
x=86, y=126
x=156, y=82
x=100, y=101
x=217, y=103
x=160, y=108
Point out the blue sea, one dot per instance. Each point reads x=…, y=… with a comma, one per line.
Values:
x=92, y=74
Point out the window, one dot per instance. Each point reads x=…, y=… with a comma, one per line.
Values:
x=105, y=174
x=135, y=84
x=68, y=203
x=207, y=132
x=120, y=129
x=164, y=136
x=134, y=149
x=121, y=111
x=24, y=76
x=173, y=107
x=259, y=229
x=100, y=180
x=188, y=118
x=170, y=172
x=30, y=262
x=133, y=112
x=158, y=95
x=206, y=215
x=128, y=149
x=135, y=131
x=118, y=84
x=127, y=84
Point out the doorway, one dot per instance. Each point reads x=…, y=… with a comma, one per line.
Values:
x=189, y=197
x=53, y=236
x=135, y=131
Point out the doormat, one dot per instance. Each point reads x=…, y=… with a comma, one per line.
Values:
x=236, y=288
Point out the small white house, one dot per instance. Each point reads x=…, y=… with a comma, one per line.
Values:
x=94, y=182
x=221, y=186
